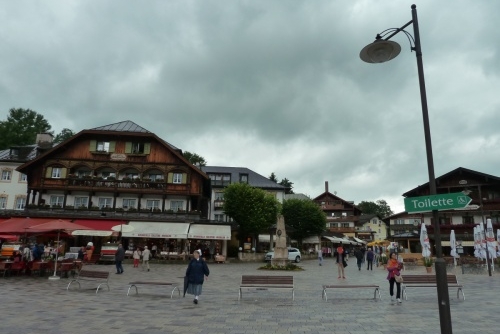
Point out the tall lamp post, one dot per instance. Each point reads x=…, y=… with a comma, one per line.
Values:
x=382, y=50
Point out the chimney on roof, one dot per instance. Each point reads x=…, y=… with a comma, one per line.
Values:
x=326, y=186
x=44, y=140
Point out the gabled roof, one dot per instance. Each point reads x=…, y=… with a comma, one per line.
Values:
x=459, y=171
x=330, y=195
x=130, y=127
x=125, y=126
x=254, y=179
x=363, y=218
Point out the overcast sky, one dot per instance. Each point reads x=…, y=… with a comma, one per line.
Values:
x=275, y=86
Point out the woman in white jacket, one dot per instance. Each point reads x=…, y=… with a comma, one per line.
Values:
x=136, y=256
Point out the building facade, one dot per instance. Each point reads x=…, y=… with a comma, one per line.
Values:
x=484, y=189
x=117, y=167
x=221, y=177
x=13, y=184
x=342, y=216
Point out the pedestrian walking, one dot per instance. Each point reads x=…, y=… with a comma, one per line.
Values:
x=369, y=259
x=136, y=255
x=89, y=250
x=197, y=272
x=119, y=257
x=320, y=257
x=394, y=267
x=340, y=260
x=359, y=257
x=146, y=253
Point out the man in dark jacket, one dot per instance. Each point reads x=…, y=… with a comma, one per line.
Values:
x=119, y=256
x=359, y=257
x=369, y=259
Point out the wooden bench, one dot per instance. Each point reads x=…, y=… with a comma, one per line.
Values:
x=135, y=284
x=352, y=286
x=91, y=275
x=266, y=282
x=429, y=281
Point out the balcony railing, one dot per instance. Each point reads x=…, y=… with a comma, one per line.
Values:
x=342, y=229
x=118, y=213
x=154, y=186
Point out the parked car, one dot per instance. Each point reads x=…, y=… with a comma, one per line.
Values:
x=293, y=255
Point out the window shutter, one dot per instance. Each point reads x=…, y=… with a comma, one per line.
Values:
x=112, y=145
x=63, y=173
x=184, y=178
x=93, y=145
x=128, y=147
x=48, y=172
x=170, y=178
x=147, y=148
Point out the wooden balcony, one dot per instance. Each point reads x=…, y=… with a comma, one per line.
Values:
x=66, y=213
x=132, y=186
x=342, y=229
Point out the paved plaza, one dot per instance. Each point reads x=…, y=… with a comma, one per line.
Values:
x=37, y=305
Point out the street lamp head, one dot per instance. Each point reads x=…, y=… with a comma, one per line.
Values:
x=380, y=51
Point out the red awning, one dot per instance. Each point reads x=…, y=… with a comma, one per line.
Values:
x=21, y=225
x=98, y=228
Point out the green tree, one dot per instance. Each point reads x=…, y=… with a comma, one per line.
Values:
x=253, y=209
x=194, y=159
x=21, y=127
x=273, y=177
x=379, y=207
x=288, y=185
x=305, y=216
x=63, y=135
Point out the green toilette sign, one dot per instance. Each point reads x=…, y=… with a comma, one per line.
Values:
x=436, y=202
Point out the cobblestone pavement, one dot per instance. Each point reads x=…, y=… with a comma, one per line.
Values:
x=37, y=305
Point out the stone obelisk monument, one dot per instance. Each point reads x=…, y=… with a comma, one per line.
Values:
x=280, y=250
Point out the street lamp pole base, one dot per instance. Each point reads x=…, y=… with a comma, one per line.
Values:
x=54, y=278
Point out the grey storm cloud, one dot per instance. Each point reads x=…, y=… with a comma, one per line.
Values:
x=275, y=86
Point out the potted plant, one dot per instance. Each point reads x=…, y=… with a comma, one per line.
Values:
x=428, y=262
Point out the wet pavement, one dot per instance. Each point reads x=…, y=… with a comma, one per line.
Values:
x=39, y=305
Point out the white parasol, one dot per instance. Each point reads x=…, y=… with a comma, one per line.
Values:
x=498, y=242
x=482, y=238
x=453, y=244
x=476, y=243
x=490, y=242
x=490, y=239
x=424, y=241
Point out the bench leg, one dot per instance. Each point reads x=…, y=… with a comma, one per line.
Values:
x=133, y=285
x=79, y=286
x=172, y=294
x=405, y=295
x=239, y=295
x=96, y=291
x=462, y=291
x=293, y=294
x=324, y=296
x=377, y=291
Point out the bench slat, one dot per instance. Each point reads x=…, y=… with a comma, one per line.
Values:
x=264, y=282
x=429, y=281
